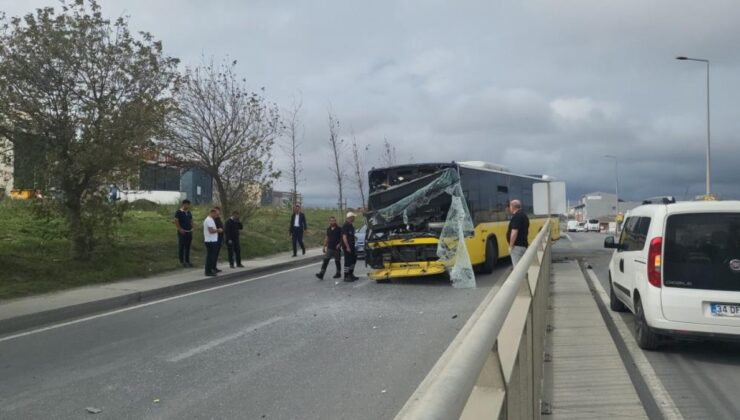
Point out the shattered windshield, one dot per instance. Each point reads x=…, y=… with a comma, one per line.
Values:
x=438, y=196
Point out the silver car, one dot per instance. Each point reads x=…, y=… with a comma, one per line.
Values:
x=360, y=241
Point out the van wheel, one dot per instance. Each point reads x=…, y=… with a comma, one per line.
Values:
x=646, y=339
x=615, y=304
x=491, y=257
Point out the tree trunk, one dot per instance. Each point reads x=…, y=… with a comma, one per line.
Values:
x=80, y=249
x=223, y=198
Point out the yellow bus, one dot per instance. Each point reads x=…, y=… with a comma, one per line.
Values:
x=404, y=242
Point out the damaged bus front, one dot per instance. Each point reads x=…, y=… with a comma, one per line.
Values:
x=417, y=224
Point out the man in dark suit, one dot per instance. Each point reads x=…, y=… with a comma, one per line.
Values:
x=298, y=226
x=232, y=230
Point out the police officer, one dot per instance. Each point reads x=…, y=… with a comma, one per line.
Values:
x=348, y=245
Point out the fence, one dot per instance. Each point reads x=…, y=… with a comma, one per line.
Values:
x=494, y=367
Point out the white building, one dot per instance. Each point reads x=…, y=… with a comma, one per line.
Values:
x=601, y=206
x=6, y=169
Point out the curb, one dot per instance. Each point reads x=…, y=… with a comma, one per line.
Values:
x=40, y=319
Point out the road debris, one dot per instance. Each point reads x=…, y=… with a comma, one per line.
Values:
x=93, y=410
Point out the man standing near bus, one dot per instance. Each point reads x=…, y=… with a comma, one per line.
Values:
x=348, y=244
x=518, y=232
x=332, y=249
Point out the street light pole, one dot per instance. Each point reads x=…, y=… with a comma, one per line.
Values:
x=708, y=157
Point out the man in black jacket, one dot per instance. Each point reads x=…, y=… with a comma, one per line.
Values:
x=348, y=246
x=332, y=249
x=232, y=230
x=298, y=226
x=220, y=226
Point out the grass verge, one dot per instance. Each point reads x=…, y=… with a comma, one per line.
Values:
x=33, y=259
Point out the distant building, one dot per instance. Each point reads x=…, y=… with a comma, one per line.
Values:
x=272, y=198
x=601, y=206
x=6, y=169
x=164, y=183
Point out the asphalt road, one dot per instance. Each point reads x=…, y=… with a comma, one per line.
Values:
x=283, y=346
x=702, y=378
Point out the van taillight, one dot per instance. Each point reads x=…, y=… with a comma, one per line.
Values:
x=655, y=261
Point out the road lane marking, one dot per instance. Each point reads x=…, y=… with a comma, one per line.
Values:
x=143, y=305
x=664, y=401
x=217, y=342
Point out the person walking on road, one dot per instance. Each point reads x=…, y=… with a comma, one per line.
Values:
x=210, y=237
x=298, y=226
x=348, y=245
x=233, y=228
x=332, y=249
x=184, y=224
x=518, y=232
x=220, y=226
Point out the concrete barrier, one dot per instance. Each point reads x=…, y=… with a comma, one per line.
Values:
x=494, y=367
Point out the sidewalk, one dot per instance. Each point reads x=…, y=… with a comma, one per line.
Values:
x=589, y=379
x=34, y=311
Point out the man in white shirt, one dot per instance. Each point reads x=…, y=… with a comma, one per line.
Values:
x=210, y=236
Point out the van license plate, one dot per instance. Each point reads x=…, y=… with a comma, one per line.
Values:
x=721, y=309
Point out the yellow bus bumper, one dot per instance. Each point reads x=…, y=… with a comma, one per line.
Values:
x=411, y=269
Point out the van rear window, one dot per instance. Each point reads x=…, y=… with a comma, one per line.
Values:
x=702, y=251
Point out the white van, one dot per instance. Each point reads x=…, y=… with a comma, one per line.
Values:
x=677, y=268
x=572, y=226
x=592, y=225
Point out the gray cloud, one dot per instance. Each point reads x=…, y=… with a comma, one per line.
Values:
x=539, y=86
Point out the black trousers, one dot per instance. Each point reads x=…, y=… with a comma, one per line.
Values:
x=334, y=254
x=211, y=256
x=183, y=246
x=219, y=244
x=350, y=259
x=235, y=252
x=297, y=235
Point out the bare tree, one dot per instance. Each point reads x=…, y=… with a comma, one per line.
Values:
x=359, y=168
x=337, y=148
x=291, y=145
x=388, y=154
x=227, y=131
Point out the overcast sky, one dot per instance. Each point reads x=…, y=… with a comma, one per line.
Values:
x=538, y=86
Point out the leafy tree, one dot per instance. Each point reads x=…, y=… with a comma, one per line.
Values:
x=226, y=131
x=92, y=95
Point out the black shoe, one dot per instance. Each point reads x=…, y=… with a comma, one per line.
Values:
x=211, y=274
x=295, y=255
x=349, y=278
x=353, y=277
x=320, y=276
x=240, y=266
x=218, y=270
x=304, y=251
x=336, y=276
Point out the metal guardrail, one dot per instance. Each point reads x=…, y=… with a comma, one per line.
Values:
x=494, y=367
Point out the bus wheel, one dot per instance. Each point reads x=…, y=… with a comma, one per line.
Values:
x=491, y=256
